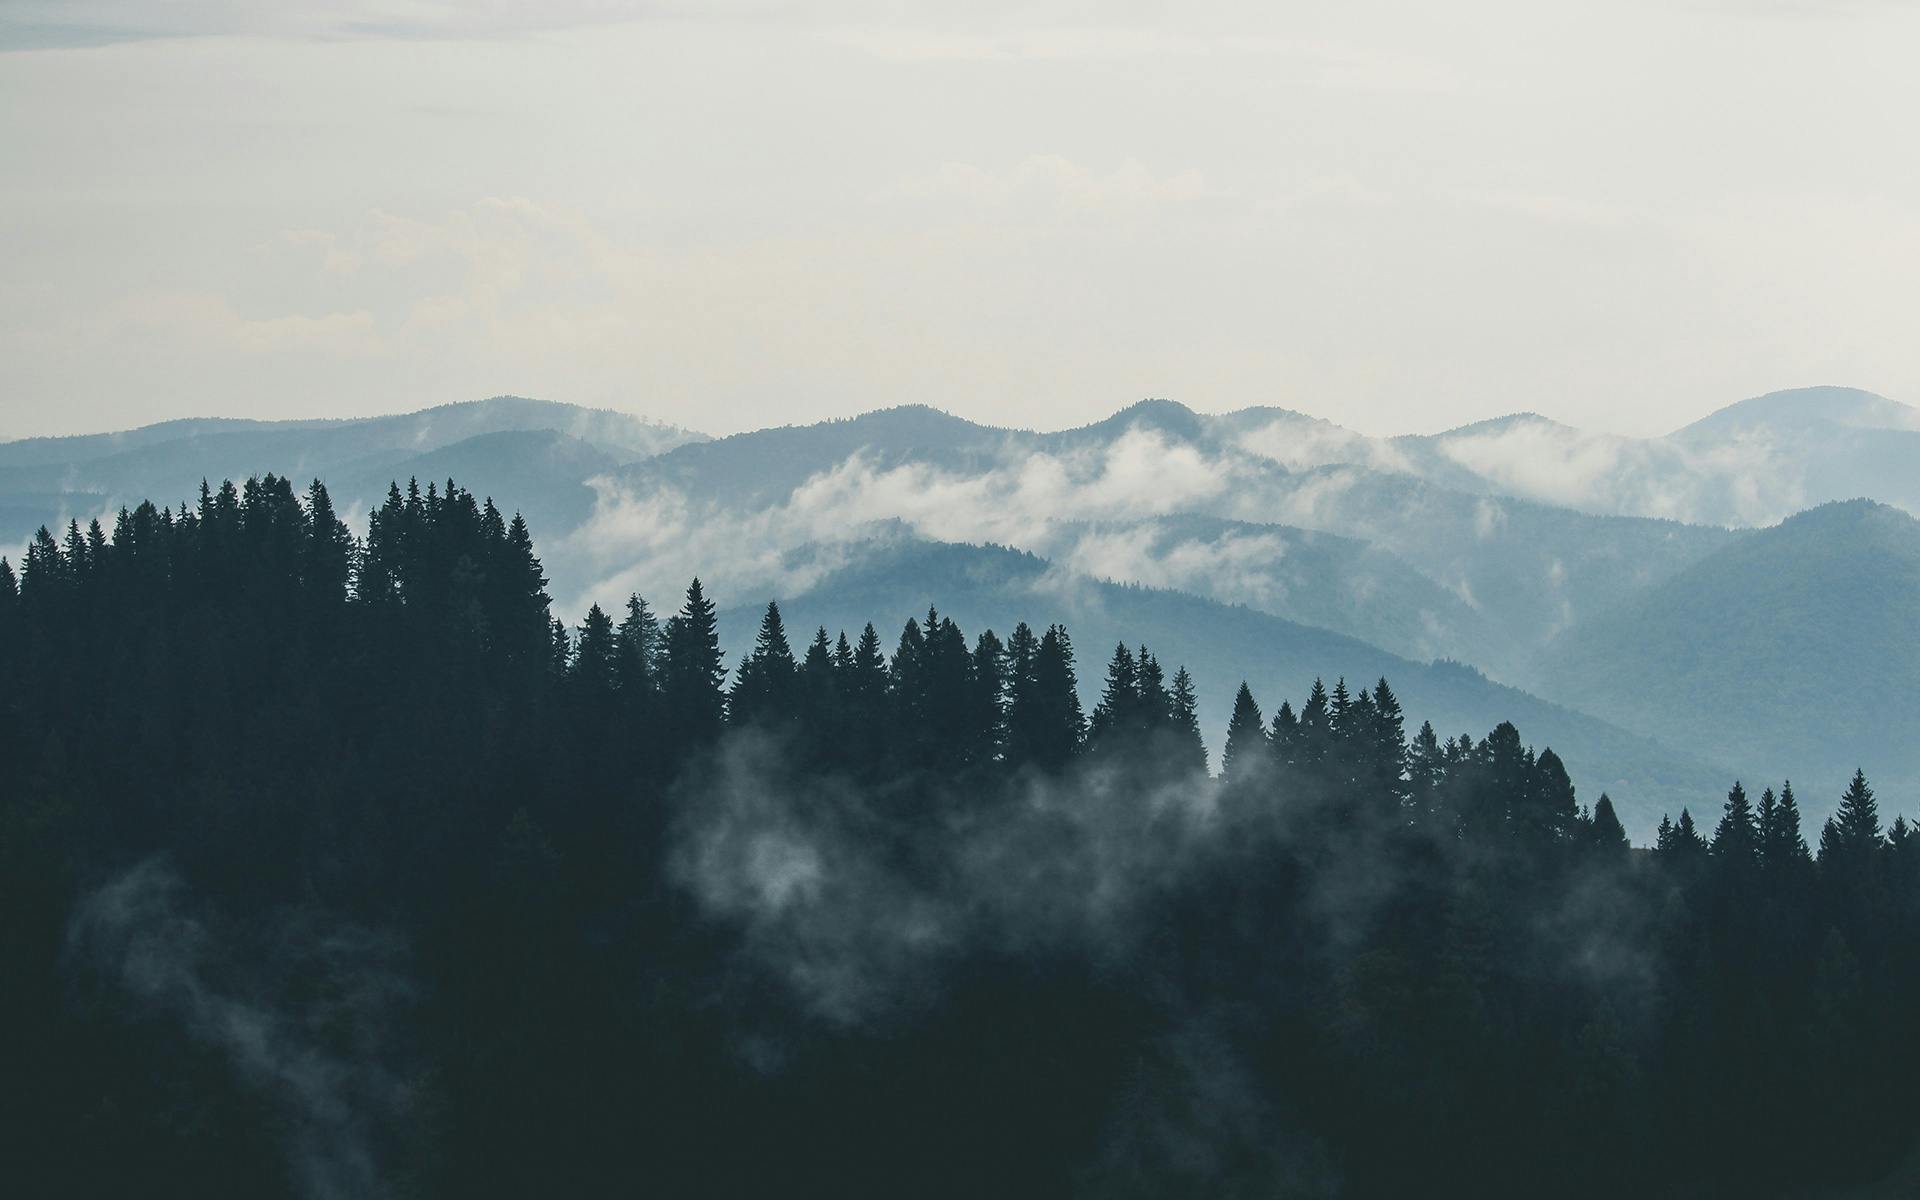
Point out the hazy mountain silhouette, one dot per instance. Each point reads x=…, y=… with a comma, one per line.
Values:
x=1794, y=647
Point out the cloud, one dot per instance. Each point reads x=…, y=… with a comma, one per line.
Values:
x=801, y=865
x=655, y=535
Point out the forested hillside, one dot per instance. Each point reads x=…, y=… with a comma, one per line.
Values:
x=1782, y=650
x=336, y=866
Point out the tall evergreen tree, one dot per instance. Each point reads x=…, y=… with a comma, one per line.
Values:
x=1736, y=840
x=1606, y=833
x=1546, y=811
x=1246, y=744
x=1852, y=834
x=1782, y=848
x=595, y=669
x=639, y=639
x=765, y=688
x=986, y=726
x=691, y=678
x=1189, y=752
x=1156, y=703
x=1052, y=723
x=1119, y=711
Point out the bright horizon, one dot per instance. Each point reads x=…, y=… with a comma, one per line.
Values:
x=718, y=432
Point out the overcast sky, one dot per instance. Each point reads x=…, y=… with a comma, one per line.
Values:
x=1398, y=215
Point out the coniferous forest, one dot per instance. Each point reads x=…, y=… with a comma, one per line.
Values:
x=334, y=866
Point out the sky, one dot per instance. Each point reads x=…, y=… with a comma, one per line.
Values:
x=1397, y=215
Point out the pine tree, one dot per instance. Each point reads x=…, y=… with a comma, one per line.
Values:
x=690, y=692
x=1053, y=724
x=1853, y=832
x=1189, y=753
x=1023, y=647
x=1118, y=712
x=864, y=691
x=1246, y=744
x=327, y=561
x=1315, y=742
x=1782, y=848
x=986, y=727
x=1686, y=838
x=595, y=669
x=1386, y=747
x=1736, y=840
x=1503, y=777
x=1283, y=739
x=519, y=601
x=1427, y=770
x=1156, y=703
x=765, y=688
x=946, y=732
x=907, y=684
x=639, y=641
x=1547, y=812
x=1605, y=833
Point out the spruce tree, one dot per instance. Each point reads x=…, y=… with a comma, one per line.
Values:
x=1426, y=771
x=640, y=652
x=1023, y=647
x=595, y=669
x=1605, y=833
x=1156, y=703
x=1736, y=840
x=690, y=693
x=1189, y=752
x=1246, y=744
x=1118, y=712
x=1315, y=742
x=1687, y=840
x=327, y=560
x=1782, y=847
x=1283, y=738
x=766, y=685
x=1854, y=831
x=986, y=726
x=1057, y=725
x=1547, y=812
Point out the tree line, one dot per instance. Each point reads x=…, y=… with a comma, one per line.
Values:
x=1385, y=961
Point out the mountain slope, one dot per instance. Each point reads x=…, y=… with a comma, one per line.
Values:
x=1794, y=649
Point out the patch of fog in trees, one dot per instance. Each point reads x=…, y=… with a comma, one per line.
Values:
x=303, y=1006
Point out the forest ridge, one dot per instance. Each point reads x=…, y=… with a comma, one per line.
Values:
x=340, y=866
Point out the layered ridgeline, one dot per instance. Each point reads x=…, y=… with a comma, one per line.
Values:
x=1498, y=545
x=341, y=867
x=1794, y=645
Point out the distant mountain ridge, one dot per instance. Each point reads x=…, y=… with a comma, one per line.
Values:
x=1546, y=556
x=982, y=587
x=53, y=479
x=1794, y=648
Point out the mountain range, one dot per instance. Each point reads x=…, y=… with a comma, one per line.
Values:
x=1668, y=613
